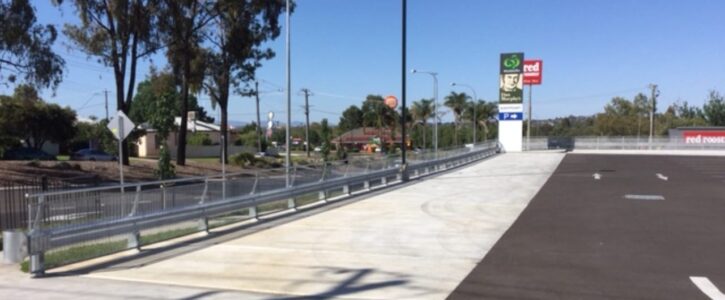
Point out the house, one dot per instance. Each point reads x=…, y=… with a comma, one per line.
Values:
x=367, y=139
x=149, y=143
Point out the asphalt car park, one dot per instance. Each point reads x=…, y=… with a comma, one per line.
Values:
x=613, y=227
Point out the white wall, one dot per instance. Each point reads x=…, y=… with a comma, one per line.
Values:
x=510, y=135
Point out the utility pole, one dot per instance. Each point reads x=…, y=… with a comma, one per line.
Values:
x=653, y=102
x=307, y=94
x=106, y=93
x=259, y=125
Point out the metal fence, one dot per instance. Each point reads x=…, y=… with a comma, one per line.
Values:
x=620, y=143
x=67, y=226
x=14, y=204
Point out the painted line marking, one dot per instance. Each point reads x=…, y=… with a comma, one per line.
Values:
x=707, y=287
x=660, y=176
x=597, y=176
x=644, y=197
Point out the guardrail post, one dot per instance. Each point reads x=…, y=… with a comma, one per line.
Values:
x=346, y=190
x=253, y=212
x=203, y=223
x=322, y=195
x=384, y=180
x=134, y=240
x=37, y=264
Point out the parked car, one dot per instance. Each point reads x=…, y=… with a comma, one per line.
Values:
x=27, y=154
x=92, y=155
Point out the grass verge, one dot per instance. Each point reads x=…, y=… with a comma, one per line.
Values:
x=78, y=253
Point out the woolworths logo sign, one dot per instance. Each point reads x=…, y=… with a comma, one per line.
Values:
x=512, y=63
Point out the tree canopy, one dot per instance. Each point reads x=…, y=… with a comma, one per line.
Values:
x=25, y=47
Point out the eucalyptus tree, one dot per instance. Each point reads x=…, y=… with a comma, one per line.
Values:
x=183, y=28
x=118, y=33
x=25, y=47
x=239, y=29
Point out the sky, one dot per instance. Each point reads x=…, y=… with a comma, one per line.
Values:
x=343, y=50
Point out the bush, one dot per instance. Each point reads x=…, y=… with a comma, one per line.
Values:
x=243, y=159
x=66, y=166
x=165, y=169
x=199, y=139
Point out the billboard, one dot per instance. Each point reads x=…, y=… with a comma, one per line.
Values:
x=511, y=83
x=704, y=137
x=532, y=71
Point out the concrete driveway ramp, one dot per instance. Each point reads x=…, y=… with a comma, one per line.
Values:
x=416, y=242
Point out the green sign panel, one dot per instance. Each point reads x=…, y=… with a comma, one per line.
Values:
x=511, y=80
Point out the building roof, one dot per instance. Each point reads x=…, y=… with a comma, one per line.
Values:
x=191, y=125
x=364, y=134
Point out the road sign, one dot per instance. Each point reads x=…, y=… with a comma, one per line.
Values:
x=511, y=83
x=391, y=102
x=120, y=125
x=512, y=116
x=532, y=71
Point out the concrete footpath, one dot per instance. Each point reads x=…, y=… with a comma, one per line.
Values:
x=415, y=242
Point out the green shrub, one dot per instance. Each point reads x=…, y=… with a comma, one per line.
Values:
x=243, y=159
x=199, y=139
x=165, y=169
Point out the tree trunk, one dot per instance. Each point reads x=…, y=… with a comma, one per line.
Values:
x=181, y=147
x=224, y=142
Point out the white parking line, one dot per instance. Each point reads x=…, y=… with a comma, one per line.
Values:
x=707, y=287
x=660, y=176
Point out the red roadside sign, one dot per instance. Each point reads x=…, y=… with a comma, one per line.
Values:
x=391, y=102
x=532, y=71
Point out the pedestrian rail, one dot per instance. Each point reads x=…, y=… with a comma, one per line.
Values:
x=111, y=219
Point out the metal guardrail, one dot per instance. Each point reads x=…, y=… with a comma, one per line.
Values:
x=63, y=219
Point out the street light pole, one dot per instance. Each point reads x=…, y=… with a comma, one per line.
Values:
x=435, y=107
x=475, y=97
x=289, y=102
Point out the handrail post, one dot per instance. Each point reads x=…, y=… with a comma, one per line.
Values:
x=204, y=220
x=135, y=201
x=256, y=181
x=37, y=260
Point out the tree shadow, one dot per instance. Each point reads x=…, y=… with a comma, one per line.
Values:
x=348, y=286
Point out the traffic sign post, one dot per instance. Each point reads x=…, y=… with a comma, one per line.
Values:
x=117, y=126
